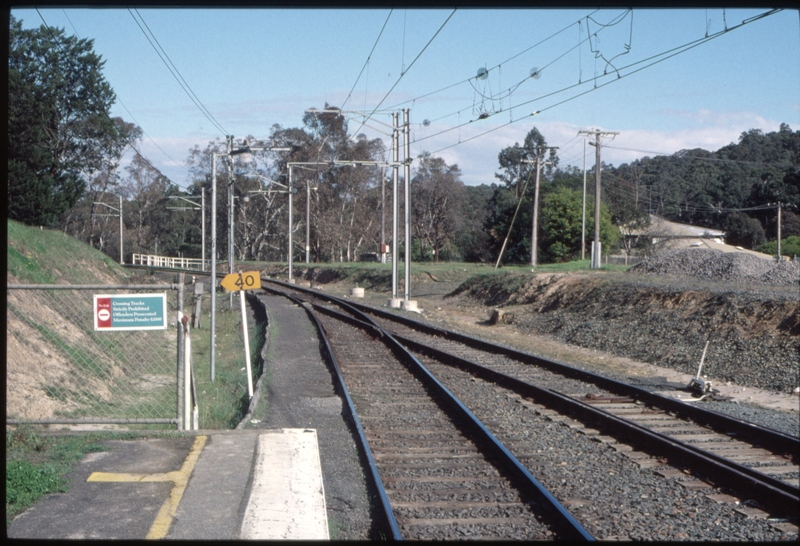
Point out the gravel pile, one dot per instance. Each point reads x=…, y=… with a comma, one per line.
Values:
x=715, y=265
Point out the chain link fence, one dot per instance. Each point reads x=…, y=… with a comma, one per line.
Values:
x=63, y=369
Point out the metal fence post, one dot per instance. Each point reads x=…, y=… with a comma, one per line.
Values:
x=180, y=369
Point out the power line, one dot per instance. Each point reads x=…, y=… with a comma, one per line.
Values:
x=513, y=88
x=488, y=70
x=721, y=160
x=403, y=73
x=660, y=57
x=150, y=138
x=682, y=204
x=368, y=59
x=128, y=141
x=174, y=71
x=126, y=108
x=506, y=93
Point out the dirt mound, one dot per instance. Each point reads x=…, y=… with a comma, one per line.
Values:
x=754, y=334
x=37, y=371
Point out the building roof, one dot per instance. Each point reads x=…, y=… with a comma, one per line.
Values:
x=663, y=228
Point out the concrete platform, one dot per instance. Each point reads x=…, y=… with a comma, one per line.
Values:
x=287, y=499
x=213, y=486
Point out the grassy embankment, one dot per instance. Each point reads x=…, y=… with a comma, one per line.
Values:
x=36, y=462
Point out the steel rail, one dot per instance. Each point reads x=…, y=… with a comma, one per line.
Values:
x=390, y=522
x=725, y=424
x=777, y=494
x=524, y=480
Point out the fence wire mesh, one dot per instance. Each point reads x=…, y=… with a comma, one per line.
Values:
x=60, y=370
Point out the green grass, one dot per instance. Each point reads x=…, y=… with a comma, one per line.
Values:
x=37, y=464
x=377, y=276
x=26, y=268
x=42, y=256
x=224, y=402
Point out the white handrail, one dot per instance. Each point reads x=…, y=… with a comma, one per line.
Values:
x=170, y=262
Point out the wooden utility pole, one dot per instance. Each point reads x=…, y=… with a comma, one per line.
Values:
x=583, y=206
x=779, y=230
x=535, y=222
x=596, y=247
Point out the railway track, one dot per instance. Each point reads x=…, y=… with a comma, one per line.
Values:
x=439, y=482
x=691, y=453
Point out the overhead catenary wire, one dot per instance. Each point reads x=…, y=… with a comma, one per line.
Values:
x=399, y=105
x=162, y=54
x=507, y=93
x=694, y=157
x=366, y=63
x=126, y=108
x=404, y=72
x=686, y=205
x=513, y=88
x=659, y=57
x=128, y=141
x=151, y=138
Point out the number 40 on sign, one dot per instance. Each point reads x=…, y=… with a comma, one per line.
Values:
x=248, y=280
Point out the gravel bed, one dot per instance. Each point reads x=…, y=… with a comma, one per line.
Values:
x=672, y=338
x=664, y=309
x=608, y=493
x=788, y=423
x=596, y=477
x=399, y=402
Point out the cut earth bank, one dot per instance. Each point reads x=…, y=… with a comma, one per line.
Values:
x=615, y=323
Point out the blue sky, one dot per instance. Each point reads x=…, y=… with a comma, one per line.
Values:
x=253, y=69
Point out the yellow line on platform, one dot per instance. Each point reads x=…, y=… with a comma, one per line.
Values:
x=122, y=477
x=179, y=478
x=163, y=520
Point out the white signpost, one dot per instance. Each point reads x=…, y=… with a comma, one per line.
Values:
x=249, y=280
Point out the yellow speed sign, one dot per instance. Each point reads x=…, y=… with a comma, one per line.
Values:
x=249, y=280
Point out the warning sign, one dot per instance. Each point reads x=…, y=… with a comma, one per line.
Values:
x=249, y=280
x=130, y=312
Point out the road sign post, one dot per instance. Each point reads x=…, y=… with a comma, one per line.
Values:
x=249, y=280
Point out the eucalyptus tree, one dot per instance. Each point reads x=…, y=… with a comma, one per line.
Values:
x=517, y=161
x=60, y=134
x=345, y=199
x=509, y=223
x=437, y=196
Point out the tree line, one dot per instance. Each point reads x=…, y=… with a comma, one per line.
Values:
x=64, y=171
